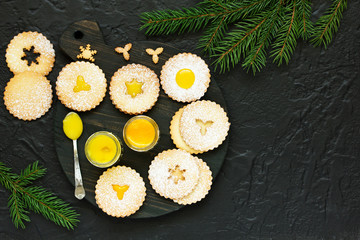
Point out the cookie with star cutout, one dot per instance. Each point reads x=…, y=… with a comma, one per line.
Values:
x=134, y=89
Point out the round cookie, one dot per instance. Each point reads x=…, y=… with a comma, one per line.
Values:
x=175, y=133
x=120, y=191
x=174, y=173
x=134, y=89
x=27, y=40
x=28, y=95
x=185, y=77
x=202, y=188
x=204, y=125
x=81, y=86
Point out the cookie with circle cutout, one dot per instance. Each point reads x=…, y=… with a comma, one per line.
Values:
x=27, y=41
x=202, y=187
x=175, y=133
x=28, y=95
x=120, y=191
x=185, y=77
x=81, y=86
x=134, y=89
x=204, y=125
x=174, y=173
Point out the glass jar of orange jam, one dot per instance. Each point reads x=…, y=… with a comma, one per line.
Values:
x=141, y=133
x=103, y=149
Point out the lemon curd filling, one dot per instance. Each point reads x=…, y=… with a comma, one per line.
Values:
x=72, y=126
x=185, y=78
x=134, y=88
x=120, y=190
x=141, y=133
x=102, y=149
x=81, y=85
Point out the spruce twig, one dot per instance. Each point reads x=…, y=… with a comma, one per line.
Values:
x=26, y=196
x=243, y=31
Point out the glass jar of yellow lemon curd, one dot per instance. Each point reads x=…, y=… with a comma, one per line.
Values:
x=103, y=149
x=141, y=133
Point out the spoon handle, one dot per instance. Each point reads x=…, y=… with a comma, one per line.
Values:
x=79, y=188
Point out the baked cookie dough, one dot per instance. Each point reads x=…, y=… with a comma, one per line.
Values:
x=120, y=191
x=185, y=77
x=134, y=89
x=28, y=95
x=81, y=86
x=174, y=173
x=27, y=40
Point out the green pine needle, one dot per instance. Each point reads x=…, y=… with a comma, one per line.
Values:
x=328, y=24
x=241, y=32
x=25, y=196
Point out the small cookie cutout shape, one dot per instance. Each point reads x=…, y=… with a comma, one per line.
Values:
x=155, y=53
x=134, y=89
x=174, y=173
x=28, y=95
x=87, y=53
x=124, y=51
x=120, y=191
x=30, y=40
x=204, y=125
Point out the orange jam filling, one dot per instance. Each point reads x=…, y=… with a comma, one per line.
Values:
x=81, y=85
x=120, y=190
x=140, y=133
x=185, y=78
x=134, y=88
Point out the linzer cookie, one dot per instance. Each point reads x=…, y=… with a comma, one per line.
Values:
x=185, y=77
x=175, y=133
x=81, y=86
x=202, y=187
x=28, y=95
x=134, y=89
x=204, y=125
x=174, y=173
x=15, y=55
x=120, y=191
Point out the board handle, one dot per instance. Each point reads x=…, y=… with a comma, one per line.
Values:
x=86, y=32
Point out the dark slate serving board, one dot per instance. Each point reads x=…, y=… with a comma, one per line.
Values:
x=107, y=117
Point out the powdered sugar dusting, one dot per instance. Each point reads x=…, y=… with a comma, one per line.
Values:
x=26, y=40
x=160, y=173
x=83, y=100
x=106, y=197
x=28, y=95
x=182, y=61
x=142, y=102
x=215, y=133
x=203, y=186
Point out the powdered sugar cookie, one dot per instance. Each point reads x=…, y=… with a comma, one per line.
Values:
x=204, y=125
x=134, y=89
x=120, y=191
x=27, y=40
x=28, y=95
x=185, y=77
x=174, y=173
x=175, y=133
x=203, y=186
x=81, y=86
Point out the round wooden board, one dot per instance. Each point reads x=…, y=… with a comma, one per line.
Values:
x=107, y=117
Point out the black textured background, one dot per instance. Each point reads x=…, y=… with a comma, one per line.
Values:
x=292, y=169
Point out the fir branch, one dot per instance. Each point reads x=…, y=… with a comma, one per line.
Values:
x=255, y=25
x=287, y=36
x=328, y=24
x=34, y=198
